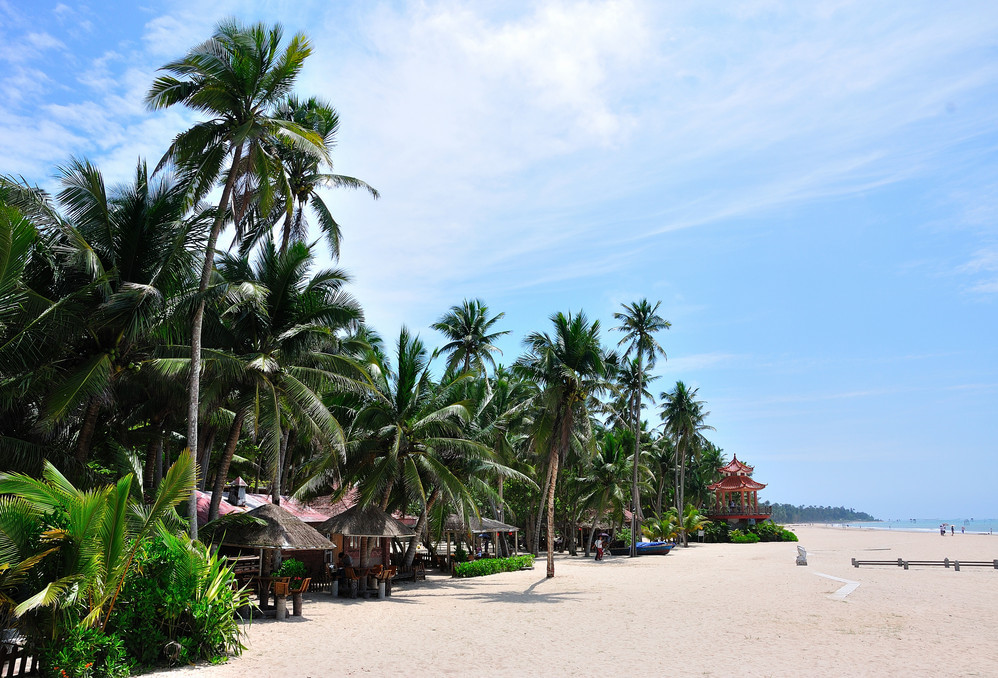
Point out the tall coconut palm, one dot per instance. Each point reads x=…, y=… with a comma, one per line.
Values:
x=639, y=323
x=569, y=367
x=470, y=341
x=684, y=421
x=303, y=176
x=280, y=319
x=607, y=476
x=406, y=437
x=131, y=248
x=237, y=78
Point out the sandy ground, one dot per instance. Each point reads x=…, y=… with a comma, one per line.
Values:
x=709, y=610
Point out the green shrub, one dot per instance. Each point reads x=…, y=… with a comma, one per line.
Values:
x=624, y=536
x=739, y=537
x=716, y=532
x=770, y=531
x=178, y=604
x=486, y=566
x=84, y=653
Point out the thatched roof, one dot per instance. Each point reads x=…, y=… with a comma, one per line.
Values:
x=274, y=528
x=366, y=521
x=454, y=523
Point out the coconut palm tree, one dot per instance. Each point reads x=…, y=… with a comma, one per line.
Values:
x=470, y=341
x=569, y=367
x=131, y=247
x=302, y=174
x=272, y=359
x=237, y=77
x=607, y=476
x=407, y=436
x=684, y=421
x=639, y=323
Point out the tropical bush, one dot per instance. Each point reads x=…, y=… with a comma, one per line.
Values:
x=739, y=537
x=716, y=532
x=178, y=604
x=769, y=531
x=486, y=566
x=85, y=653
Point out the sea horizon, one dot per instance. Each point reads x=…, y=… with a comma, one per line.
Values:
x=969, y=525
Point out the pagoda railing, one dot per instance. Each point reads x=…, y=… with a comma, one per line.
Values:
x=740, y=511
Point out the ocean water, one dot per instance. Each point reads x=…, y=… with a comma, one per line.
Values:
x=970, y=525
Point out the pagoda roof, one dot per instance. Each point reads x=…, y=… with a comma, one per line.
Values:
x=735, y=466
x=735, y=483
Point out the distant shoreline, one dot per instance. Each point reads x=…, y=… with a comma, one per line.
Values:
x=986, y=527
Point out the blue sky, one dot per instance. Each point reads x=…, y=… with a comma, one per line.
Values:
x=809, y=189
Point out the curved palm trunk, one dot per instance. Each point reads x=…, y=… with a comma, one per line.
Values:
x=410, y=552
x=540, y=512
x=194, y=383
x=553, y=473
x=556, y=452
x=87, y=432
x=223, y=465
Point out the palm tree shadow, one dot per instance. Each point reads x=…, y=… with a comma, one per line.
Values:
x=528, y=596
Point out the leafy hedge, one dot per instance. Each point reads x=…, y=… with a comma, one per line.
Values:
x=486, y=566
x=717, y=532
x=739, y=537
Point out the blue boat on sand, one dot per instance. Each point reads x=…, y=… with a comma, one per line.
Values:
x=654, y=548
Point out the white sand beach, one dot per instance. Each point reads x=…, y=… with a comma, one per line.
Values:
x=710, y=610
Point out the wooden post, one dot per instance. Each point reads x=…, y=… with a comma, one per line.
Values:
x=282, y=607
x=296, y=605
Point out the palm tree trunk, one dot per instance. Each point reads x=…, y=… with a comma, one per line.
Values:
x=275, y=487
x=556, y=452
x=204, y=457
x=540, y=512
x=194, y=384
x=87, y=431
x=553, y=463
x=155, y=444
x=635, y=496
x=410, y=552
x=223, y=464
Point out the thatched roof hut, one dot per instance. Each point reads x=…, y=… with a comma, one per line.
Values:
x=454, y=523
x=274, y=528
x=365, y=521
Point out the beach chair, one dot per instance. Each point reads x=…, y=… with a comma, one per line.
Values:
x=801, y=556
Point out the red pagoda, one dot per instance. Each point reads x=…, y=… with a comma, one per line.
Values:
x=736, y=495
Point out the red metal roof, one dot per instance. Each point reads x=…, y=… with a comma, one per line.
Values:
x=735, y=466
x=293, y=506
x=735, y=484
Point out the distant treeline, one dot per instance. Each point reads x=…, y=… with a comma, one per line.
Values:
x=788, y=513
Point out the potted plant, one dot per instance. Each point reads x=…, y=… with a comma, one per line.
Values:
x=297, y=575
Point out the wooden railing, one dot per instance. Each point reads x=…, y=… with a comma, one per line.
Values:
x=15, y=660
x=739, y=511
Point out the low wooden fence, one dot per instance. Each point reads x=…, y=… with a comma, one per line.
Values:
x=15, y=660
x=945, y=562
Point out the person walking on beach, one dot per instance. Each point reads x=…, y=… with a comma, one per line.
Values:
x=942, y=530
x=952, y=530
x=963, y=529
x=599, y=548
